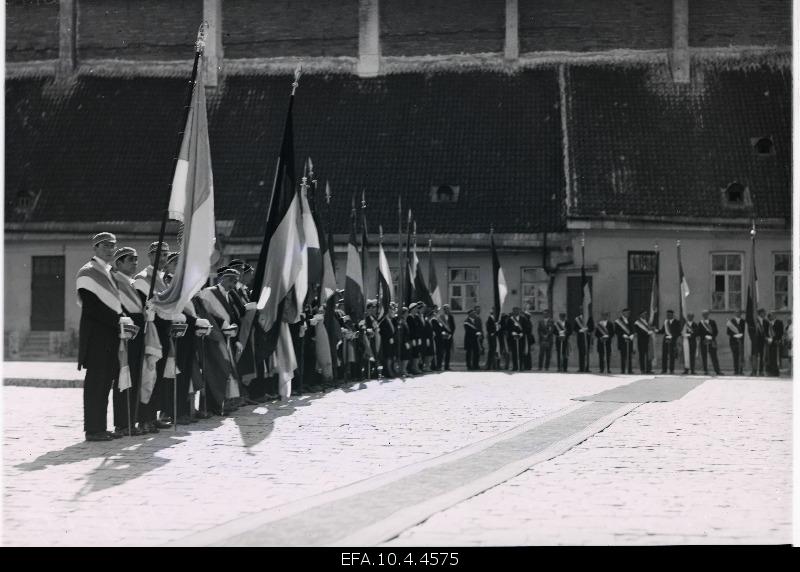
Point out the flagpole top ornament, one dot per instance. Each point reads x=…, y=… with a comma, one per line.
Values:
x=753, y=231
x=678, y=243
x=297, y=73
x=363, y=199
x=328, y=192
x=583, y=239
x=200, y=44
x=655, y=246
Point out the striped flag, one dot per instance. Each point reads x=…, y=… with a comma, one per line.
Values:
x=384, y=281
x=498, y=280
x=191, y=203
x=682, y=308
x=752, y=287
x=354, y=304
x=433, y=283
x=280, y=262
x=420, y=288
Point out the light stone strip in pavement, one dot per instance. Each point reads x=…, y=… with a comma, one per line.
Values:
x=385, y=509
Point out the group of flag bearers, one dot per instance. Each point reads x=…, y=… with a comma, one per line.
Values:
x=249, y=335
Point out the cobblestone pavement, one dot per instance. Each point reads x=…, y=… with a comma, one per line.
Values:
x=60, y=490
x=712, y=467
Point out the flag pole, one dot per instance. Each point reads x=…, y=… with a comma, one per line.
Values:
x=199, y=47
x=400, y=298
x=586, y=338
x=331, y=253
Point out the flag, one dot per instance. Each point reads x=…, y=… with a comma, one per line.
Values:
x=433, y=283
x=408, y=278
x=752, y=288
x=192, y=203
x=354, y=282
x=420, y=289
x=684, y=287
x=653, y=316
x=282, y=255
x=384, y=281
x=498, y=281
x=586, y=304
x=682, y=308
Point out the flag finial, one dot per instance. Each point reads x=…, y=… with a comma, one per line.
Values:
x=380, y=231
x=328, y=192
x=678, y=243
x=297, y=73
x=583, y=239
x=655, y=246
x=363, y=198
x=200, y=44
x=753, y=230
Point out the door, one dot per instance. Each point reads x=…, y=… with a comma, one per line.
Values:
x=642, y=270
x=47, y=293
x=575, y=295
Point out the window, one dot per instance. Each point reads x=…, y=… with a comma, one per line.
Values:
x=463, y=284
x=782, y=266
x=726, y=281
x=445, y=193
x=735, y=193
x=763, y=145
x=534, y=289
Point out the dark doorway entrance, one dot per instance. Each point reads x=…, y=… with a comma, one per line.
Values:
x=642, y=269
x=47, y=293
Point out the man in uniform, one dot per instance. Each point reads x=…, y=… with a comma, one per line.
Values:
x=449, y=323
x=526, y=321
x=604, y=332
x=583, y=334
x=547, y=332
x=472, y=335
x=388, y=332
x=563, y=331
x=707, y=333
x=689, y=333
x=735, y=329
x=101, y=311
x=126, y=260
x=491, y=335
x=516, y=337
x=671, y=330
x=758, y=342
x=643, y=335
x=774, y=338
x=625, y=336
x=148, y=412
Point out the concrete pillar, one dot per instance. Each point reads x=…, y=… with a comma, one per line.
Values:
x=369, y=38
x=512, y=30
x=681, y=58
x=67, y=37
x=212, y=13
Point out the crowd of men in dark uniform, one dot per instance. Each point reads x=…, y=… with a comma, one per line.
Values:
x=204, y=349
x=509, y=342
x=209, y=347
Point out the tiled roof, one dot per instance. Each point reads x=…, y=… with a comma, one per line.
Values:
x=103, y=150
x=641, y=144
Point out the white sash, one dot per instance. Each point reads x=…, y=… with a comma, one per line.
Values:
x=602, y=328
x=734, y=327
x=93, y=277
x=128, y=296
x=623, y=326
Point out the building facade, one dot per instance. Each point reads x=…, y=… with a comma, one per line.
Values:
x=625, y=125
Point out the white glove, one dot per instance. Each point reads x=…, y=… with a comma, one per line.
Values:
x=250, y=306
x=708, y=337
x=202, y=327
x=126, y=326
x=738, y=335
x=239, y=349
x=150, y=315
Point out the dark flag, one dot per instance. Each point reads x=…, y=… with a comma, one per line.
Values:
x=752, y=286
x=281, y=258
x=354, y=283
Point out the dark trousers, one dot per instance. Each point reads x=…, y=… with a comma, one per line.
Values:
x=668, y=353
x=583, y=354
x=125, y=399
x=758, y=357
x=737, y=349
x=473, y=355
x=709, y=348
x=645, y=365
x=545, y=351
x=100, y=376
x=447, y=349
x=562, y=355
x=527, y=356
x=773, y=356
x=491, y=356
x=626, y=357
x=515, y=345
x=604, y=355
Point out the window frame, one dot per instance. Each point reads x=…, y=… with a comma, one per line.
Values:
x=775, y=275
x=451, y=283
x=523, y=283
x=727, y=274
